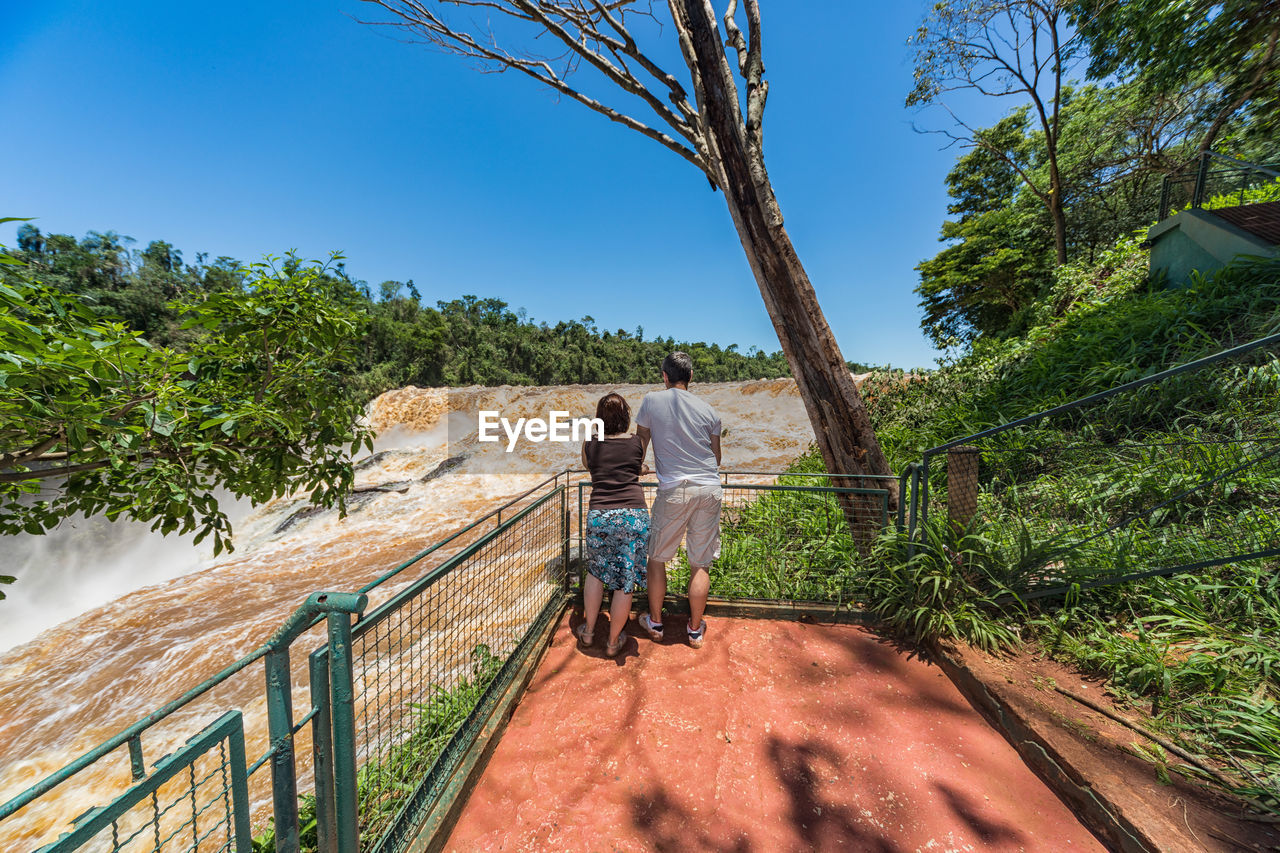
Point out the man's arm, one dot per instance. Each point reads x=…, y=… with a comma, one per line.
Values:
x=715, y=448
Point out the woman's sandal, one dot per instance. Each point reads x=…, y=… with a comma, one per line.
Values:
x=585, y=637
x=612, y=650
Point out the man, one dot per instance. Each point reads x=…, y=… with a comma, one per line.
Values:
x=685, y=434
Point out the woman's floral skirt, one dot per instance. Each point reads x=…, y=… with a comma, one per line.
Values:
x=617, y=547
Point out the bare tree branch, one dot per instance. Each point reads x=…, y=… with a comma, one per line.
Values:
x=577, y=26
x=22, y=457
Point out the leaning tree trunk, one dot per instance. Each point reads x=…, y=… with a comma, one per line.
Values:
x=839, y=417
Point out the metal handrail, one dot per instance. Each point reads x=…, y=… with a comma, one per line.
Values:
x=1202, y=174
x=300, y=621
x=1110, y=392
x=380, y=612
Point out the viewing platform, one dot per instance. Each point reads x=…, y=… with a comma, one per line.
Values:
x=446, y=705
x=775, y=735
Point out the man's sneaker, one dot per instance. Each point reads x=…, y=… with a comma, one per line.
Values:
x=695, y=637
x=653, y=629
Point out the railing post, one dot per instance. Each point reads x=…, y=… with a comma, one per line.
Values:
x=924, y=489
x=284, y=782
x=962, y=486
x=342, y=709
x=322, y=753
x=566, y=527
x=1202, y=177
x=582, y=533
x=904, y=496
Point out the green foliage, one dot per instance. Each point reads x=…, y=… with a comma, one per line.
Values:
x=1000, y=262
x=1230, y=47
x=1196, y=651
x=466, y=341
x=384, y=785
x=951, y=584
x=1199, y=652
x=1102, y=326
x=782, y=545
x=1253, y=194
x=472, y=341
x=1172, y=79
x=120, y=426
x=308, y=832
x=979, y=284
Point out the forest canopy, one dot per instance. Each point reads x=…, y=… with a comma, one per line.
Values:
x=466, y=340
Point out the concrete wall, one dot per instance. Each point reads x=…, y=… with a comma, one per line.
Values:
x=1198, y=240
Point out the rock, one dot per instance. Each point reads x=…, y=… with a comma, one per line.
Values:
x=443, y=468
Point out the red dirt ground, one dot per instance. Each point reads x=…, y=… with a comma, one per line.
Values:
x=1173, y=815
x=773, y=736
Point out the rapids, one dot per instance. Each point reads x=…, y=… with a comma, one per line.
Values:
x=76, y=683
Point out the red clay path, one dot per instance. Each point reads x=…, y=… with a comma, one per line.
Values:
x=774, y=736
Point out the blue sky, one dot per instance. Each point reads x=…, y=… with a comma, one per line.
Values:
x=251, y=129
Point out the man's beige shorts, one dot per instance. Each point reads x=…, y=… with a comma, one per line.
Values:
x=682, y=508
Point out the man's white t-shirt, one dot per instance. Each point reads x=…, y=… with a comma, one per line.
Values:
x=681, y=425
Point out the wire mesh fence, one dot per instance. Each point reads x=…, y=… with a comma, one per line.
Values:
x=195, y=799
x=426, y=663
x=1173, y=473
x=795, y=539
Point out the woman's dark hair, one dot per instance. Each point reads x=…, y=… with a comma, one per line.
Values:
x=615, y=413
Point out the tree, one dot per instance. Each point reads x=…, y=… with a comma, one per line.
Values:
x=1232, y=46
x=718, y=129
x=94, y=419
x=1115, y=144
x=1003, y=48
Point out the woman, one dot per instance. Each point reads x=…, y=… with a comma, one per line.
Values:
x=617, y=523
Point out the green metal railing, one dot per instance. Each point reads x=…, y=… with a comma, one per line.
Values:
x=206, y=808
x=1175, y=472
x=399, y=696
x=428, y=663
x=197, y=798
x=1212, y=176
x=786, y=541
x=152, y=813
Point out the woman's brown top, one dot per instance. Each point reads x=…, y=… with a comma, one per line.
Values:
x=615, y=465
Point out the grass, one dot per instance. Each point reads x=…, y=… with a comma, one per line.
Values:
x=781, y=545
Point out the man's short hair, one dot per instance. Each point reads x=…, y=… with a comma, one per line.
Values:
x=678, y=367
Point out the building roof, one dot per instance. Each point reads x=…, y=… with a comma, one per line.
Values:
x=1260, y=220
